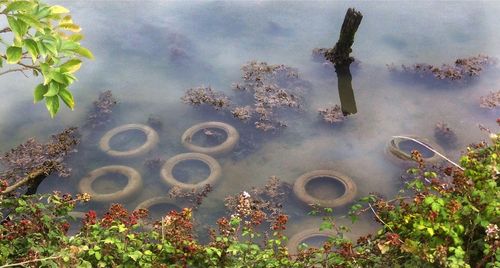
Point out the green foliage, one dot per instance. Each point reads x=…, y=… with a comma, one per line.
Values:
x=45, y=41
x=436, y=224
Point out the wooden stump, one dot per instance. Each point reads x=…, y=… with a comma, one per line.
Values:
x=339, y=54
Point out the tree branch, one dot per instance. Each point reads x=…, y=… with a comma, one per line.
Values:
x=15, y=70
x=5, y=30
x=30, y=261
x=42, y=172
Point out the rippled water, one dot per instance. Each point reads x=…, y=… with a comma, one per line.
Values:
x=149, y=52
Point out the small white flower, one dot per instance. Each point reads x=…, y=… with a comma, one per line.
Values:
x=246, y=194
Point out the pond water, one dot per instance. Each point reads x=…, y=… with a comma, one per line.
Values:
x=148, y=53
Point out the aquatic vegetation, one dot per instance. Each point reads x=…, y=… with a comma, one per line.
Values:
x=45, y=41
x=29, y=163
x=444, y=133
x=100, y=115
x=491, y=100
x=155, y=122
x=332, y=115
x=461, y=69
x=272, y=87
x=206, y=95
x=193, y=198
x=154, y=164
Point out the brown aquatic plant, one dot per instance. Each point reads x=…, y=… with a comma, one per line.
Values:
x=242, y=113
x=155, y=122
x=274, y=87
x=332, y=115
x=194, y=198
x=444, y=133
x=264, y=203
x=100, y=115
x=206, y=95
x=154, y=163
x=460, y=69
x=33, y=160
x=491, y=100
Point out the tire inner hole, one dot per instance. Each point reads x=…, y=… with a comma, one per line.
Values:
x=325, y=188
x=109, y=183
x=209, y=137
x=408, y=145
x=191, y=171
x=128, y=140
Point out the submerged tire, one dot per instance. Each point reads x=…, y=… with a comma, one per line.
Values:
x=299, y=238
x=350, y=189
x=134, y=183
x=398, y=155
x=151, y=140
x=213, y=165
x=232, y=138
x=155, y=201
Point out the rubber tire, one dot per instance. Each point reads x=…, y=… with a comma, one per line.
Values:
x=151, y=141
x=399, y=156
x=232, y=138
x=298, y=238
x=213, y=165
x=299, y=188
x=134, y=183
x=154, y=201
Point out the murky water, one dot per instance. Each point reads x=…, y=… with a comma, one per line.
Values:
x=149, y=52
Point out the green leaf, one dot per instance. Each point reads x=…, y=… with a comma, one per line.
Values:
x=67, y=97
x=19, y=5
x=31, y=21
x=40, y=90
x=435, y=207
x=70, y=27
x=32, y=48
x=59, y=77
x=76, y=37
x=71, y=66
x=69, y=45
x=14, y=54
x=15, y=26
x=53, y=90
x=58, y=9
x=430, y=231
x=97, y=255
x=52, y=104
x=84, y=52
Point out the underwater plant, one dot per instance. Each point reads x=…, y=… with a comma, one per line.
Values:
x=461, y=69
x=444, y=133
x=332, y=115
x=100, y=115
x=491, y=100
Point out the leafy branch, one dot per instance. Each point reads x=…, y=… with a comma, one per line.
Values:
x=46, y=41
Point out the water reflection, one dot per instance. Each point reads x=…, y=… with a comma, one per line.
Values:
x=346, y=93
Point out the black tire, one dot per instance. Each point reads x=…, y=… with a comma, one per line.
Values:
x=134, y=183
x=232, y=138
x=151, y=141
x=299, y=188
x=399, y=156
x=213, y=165
x=298, y=238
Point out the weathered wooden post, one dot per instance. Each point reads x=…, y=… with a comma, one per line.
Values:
x=339, y=54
